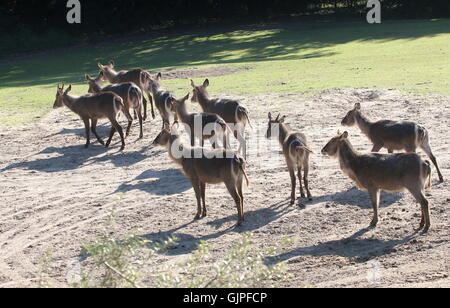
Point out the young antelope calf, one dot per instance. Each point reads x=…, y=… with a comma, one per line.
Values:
x=92, y=108
x=163, y=99
x=296, y=152
x=213, y=167
x=203, y=126
x=232, y=111
x=376, y=172
x=392, y=135
x=130, y=93
x=135, y=76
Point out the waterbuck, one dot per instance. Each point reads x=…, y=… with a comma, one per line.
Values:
x=91, y=108
x=202, y=126
x=232, y=111
x=136, y=76
x=210, y=167
x=392, y=135
x=390, y=172
x=130, y=93
x=163, y=99
x=296, y=152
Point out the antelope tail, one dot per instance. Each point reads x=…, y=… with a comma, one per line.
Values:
x=428, y=171
x=304, y=148
x=241, y=163
x=244, y=112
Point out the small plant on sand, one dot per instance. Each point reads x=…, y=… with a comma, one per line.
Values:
x=243, y=267
x=130, y=263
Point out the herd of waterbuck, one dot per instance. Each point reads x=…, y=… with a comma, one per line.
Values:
x=372, y=172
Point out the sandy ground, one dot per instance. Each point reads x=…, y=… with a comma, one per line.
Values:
x=55, y=194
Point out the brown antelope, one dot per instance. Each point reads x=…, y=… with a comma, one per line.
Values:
x=392, y=135
x=163, y=99
x=136, y=76
x=92, y=108
x=130, y=93
x=232, y=111
x=202, y=126
x=212, y=167
x=390, y=172
x=296, y=152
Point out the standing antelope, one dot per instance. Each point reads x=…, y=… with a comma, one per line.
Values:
x=392, y=135
x=136, y=76
x=375, y=172
x=232, y=111
x=213, y=167
x=92, y=108
x=163, y=99
x=203, y=126
x=130, y=93
x=295, y=150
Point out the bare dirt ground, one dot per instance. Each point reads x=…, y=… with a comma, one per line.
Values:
x=55, y=194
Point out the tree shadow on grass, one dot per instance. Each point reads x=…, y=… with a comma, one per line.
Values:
x=294, y=41
x=255, y=220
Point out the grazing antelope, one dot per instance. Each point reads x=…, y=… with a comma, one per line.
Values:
x=203, y=126
x=296, y=152
x=392, y=135
x=92, y=108
x=390, y=172
x=232, y=111
x=130, y=93
x=136, y=76
x=212, y=167
x=163, y=99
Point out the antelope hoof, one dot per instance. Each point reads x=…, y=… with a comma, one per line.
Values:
x=426, y=229
x=197, y=217
x=374, y=223
x=441, y=180
x=122, y=148
x=292, y=201
x=101, y=142
x=141, y=137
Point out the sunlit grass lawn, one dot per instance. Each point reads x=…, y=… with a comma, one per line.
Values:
x=408, y=55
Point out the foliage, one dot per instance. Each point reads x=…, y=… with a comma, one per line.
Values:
x=243, y=267
x=102, y=17
x=279, y=58
x=118, y=264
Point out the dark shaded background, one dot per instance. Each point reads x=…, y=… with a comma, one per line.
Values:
x=36, y=24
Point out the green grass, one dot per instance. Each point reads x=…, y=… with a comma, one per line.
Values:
x=408, y=55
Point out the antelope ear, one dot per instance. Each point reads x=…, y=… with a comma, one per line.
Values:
x=175, y=126
x=88, y=78
x=206, y=83
x=111, y=63
x=159, y=76
x=68, y=89
x=282, y=119
x=344, y=135
x=270, y=116
x=358, y=106
x=187, y=97
x=167, y=126
x=192, y=83
x=100, y=66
